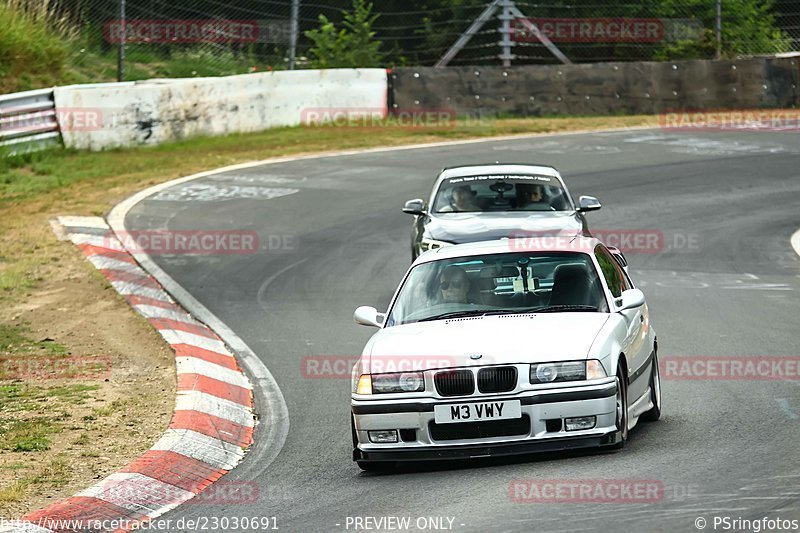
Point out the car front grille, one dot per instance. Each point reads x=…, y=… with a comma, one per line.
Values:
x=481, y=430
x=497, y=379
x=454, y=383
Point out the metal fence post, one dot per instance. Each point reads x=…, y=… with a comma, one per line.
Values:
x=718, y=25
x=294, y=31
x=121, y=48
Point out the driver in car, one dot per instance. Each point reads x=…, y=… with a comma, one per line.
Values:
x=531, y=197
x=462, y=198
x=454, y=285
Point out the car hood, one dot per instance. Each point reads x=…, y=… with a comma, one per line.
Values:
x=460, y=228
x=497, y=339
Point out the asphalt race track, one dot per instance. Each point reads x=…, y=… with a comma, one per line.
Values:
x=724, y=281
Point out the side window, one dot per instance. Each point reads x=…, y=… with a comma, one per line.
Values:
x=615, y=277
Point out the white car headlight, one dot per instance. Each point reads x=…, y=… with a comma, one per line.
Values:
x=432, y=244
x=566, y=371
x=390, y=383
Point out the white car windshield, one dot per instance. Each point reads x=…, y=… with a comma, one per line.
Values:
x=499, y=284
x=471, y=194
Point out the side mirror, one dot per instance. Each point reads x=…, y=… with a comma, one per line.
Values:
x=414, y=207
x=631, y=299
x=369, y=316
x=589, y=203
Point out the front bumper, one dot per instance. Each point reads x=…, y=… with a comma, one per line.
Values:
x=541, y=407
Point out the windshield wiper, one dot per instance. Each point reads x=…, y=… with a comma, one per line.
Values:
x=563, y=308
x=457, y=314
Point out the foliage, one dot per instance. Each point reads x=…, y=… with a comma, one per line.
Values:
x=353, y=46
x=32, y=53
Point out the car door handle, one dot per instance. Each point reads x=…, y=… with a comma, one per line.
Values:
x=641, y=319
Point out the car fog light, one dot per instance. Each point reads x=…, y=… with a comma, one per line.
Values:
x=383, y=436
x=577, y=424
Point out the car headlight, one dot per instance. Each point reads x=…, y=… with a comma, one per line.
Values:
x=390, y=383
x=566, y=371
x=433, y=244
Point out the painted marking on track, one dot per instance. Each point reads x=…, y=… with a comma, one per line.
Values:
x=559, y=147
x=261, y=178
x=700, y=146
x=210, y=192
x=783, y=403
x=705, y=280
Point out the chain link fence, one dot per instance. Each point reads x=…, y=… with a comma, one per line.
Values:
x=186, y=38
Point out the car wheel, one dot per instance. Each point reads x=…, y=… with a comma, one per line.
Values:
x=655, y=392
x=621, y=408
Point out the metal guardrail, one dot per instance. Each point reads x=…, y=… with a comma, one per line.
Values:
x=28, y=122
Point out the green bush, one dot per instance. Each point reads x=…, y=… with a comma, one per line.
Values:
x=32, y=54
x=354, y=46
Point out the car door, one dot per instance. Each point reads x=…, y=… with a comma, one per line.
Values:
x=635, y=343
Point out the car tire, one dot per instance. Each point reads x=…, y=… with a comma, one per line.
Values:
x=621, y=408
x=655, y=392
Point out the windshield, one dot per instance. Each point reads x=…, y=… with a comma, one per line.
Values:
x=499, y=284
x=471, y=194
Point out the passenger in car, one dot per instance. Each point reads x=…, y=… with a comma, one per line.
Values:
x=454, y=284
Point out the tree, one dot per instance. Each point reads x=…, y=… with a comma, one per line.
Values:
x=353, y=46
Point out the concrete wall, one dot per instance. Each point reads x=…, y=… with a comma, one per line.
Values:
x=155, y=111
x=601, y=88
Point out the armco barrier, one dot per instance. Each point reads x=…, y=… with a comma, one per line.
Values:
x=28, y=121
x=600, y=88
x=156, y=111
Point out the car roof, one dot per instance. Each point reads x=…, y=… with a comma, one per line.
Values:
x=498, y=168
x=555, y=243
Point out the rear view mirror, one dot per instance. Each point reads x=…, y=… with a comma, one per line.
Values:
x=414, y=207
x=589, y=203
